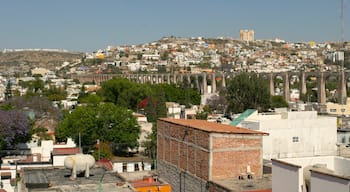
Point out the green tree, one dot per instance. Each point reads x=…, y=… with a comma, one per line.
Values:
x=278, y=101
x=91, y=99
x=151, y=143
x=124, y=92
x=106, y=122
x=55, y=93
x=103, y=150
x=245, y=91
x=8, y=91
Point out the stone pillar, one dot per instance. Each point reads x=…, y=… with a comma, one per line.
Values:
x=223, y=80
x=342, y=96
x=205, y=85
x=302, y=82
x=145, y=79
x=196, y=82
x=286, y=90
x=161, y=79
x=272, y=84
x=213, y=83
x=321, y=89
x=174, y=79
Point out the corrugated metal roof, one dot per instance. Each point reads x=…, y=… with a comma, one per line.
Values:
x=211, y=127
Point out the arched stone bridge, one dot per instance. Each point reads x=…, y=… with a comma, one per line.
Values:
x=200, y=81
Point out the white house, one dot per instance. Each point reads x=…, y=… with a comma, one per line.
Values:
x=294, y=134
x=311, y=174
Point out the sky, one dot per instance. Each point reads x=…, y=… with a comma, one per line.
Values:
x=88, y=25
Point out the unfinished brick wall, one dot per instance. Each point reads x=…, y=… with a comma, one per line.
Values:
x=186, y=148
x=208, y=155
x=233, y=153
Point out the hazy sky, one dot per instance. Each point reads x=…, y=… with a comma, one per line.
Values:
x=86, y=25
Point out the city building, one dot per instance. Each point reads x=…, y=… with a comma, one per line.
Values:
x=311, y=174
x=197, y=155
x=294, y=133
x=246, y=35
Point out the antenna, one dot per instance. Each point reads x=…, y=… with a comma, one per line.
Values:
x=342, y=21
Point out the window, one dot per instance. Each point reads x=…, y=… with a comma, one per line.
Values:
x=343, y=139
x=295, y=139
x=333, y=110
x=125, y=167
x=136, y=167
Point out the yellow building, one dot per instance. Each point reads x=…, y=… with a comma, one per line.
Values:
x=246, y=35
x=338, y=109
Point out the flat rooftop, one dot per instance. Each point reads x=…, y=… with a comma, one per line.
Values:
x=57, y=179
x=211, y=127
x=256, y=184
x=332, y=165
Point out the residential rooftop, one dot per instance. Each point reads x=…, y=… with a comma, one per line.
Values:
x=247, y=185
x=211, y=127
x=57, y=179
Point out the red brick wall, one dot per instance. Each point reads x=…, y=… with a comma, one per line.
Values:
x=232, y=155
x=186, y=148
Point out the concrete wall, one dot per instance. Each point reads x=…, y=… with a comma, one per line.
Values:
x=316, y=135
x=58, y=160
x=286, y=178
x=341, y=166
x=326, y=183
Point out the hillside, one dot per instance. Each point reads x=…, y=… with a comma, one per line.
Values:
x=24, y=60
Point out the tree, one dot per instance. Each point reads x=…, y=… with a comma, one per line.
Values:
x=124, y=92
x=278, y=101
x=105, y=122
x=55, y=93
x=217, y=103
x=14, y=128
x=8, y=91
x=245, y=91
x=41, y=106
x=151, y=143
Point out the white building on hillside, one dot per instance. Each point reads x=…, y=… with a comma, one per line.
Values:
x=311, y=174
x=294, y=134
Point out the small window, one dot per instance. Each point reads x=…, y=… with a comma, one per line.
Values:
x=343, y=139
x=295, y=139
x=124, y=167
x=333, y=110
x=136, y=167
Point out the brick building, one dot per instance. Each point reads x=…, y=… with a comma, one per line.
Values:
x=196, y=155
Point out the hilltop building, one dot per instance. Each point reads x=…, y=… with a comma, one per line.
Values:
x=246, y=35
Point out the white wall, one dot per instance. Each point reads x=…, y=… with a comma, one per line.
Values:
x=342, y=166
x=45, y=150
x=118, y=167
x=58, y=160
x=317, y=135
x=286, y=178
x=326, y=183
